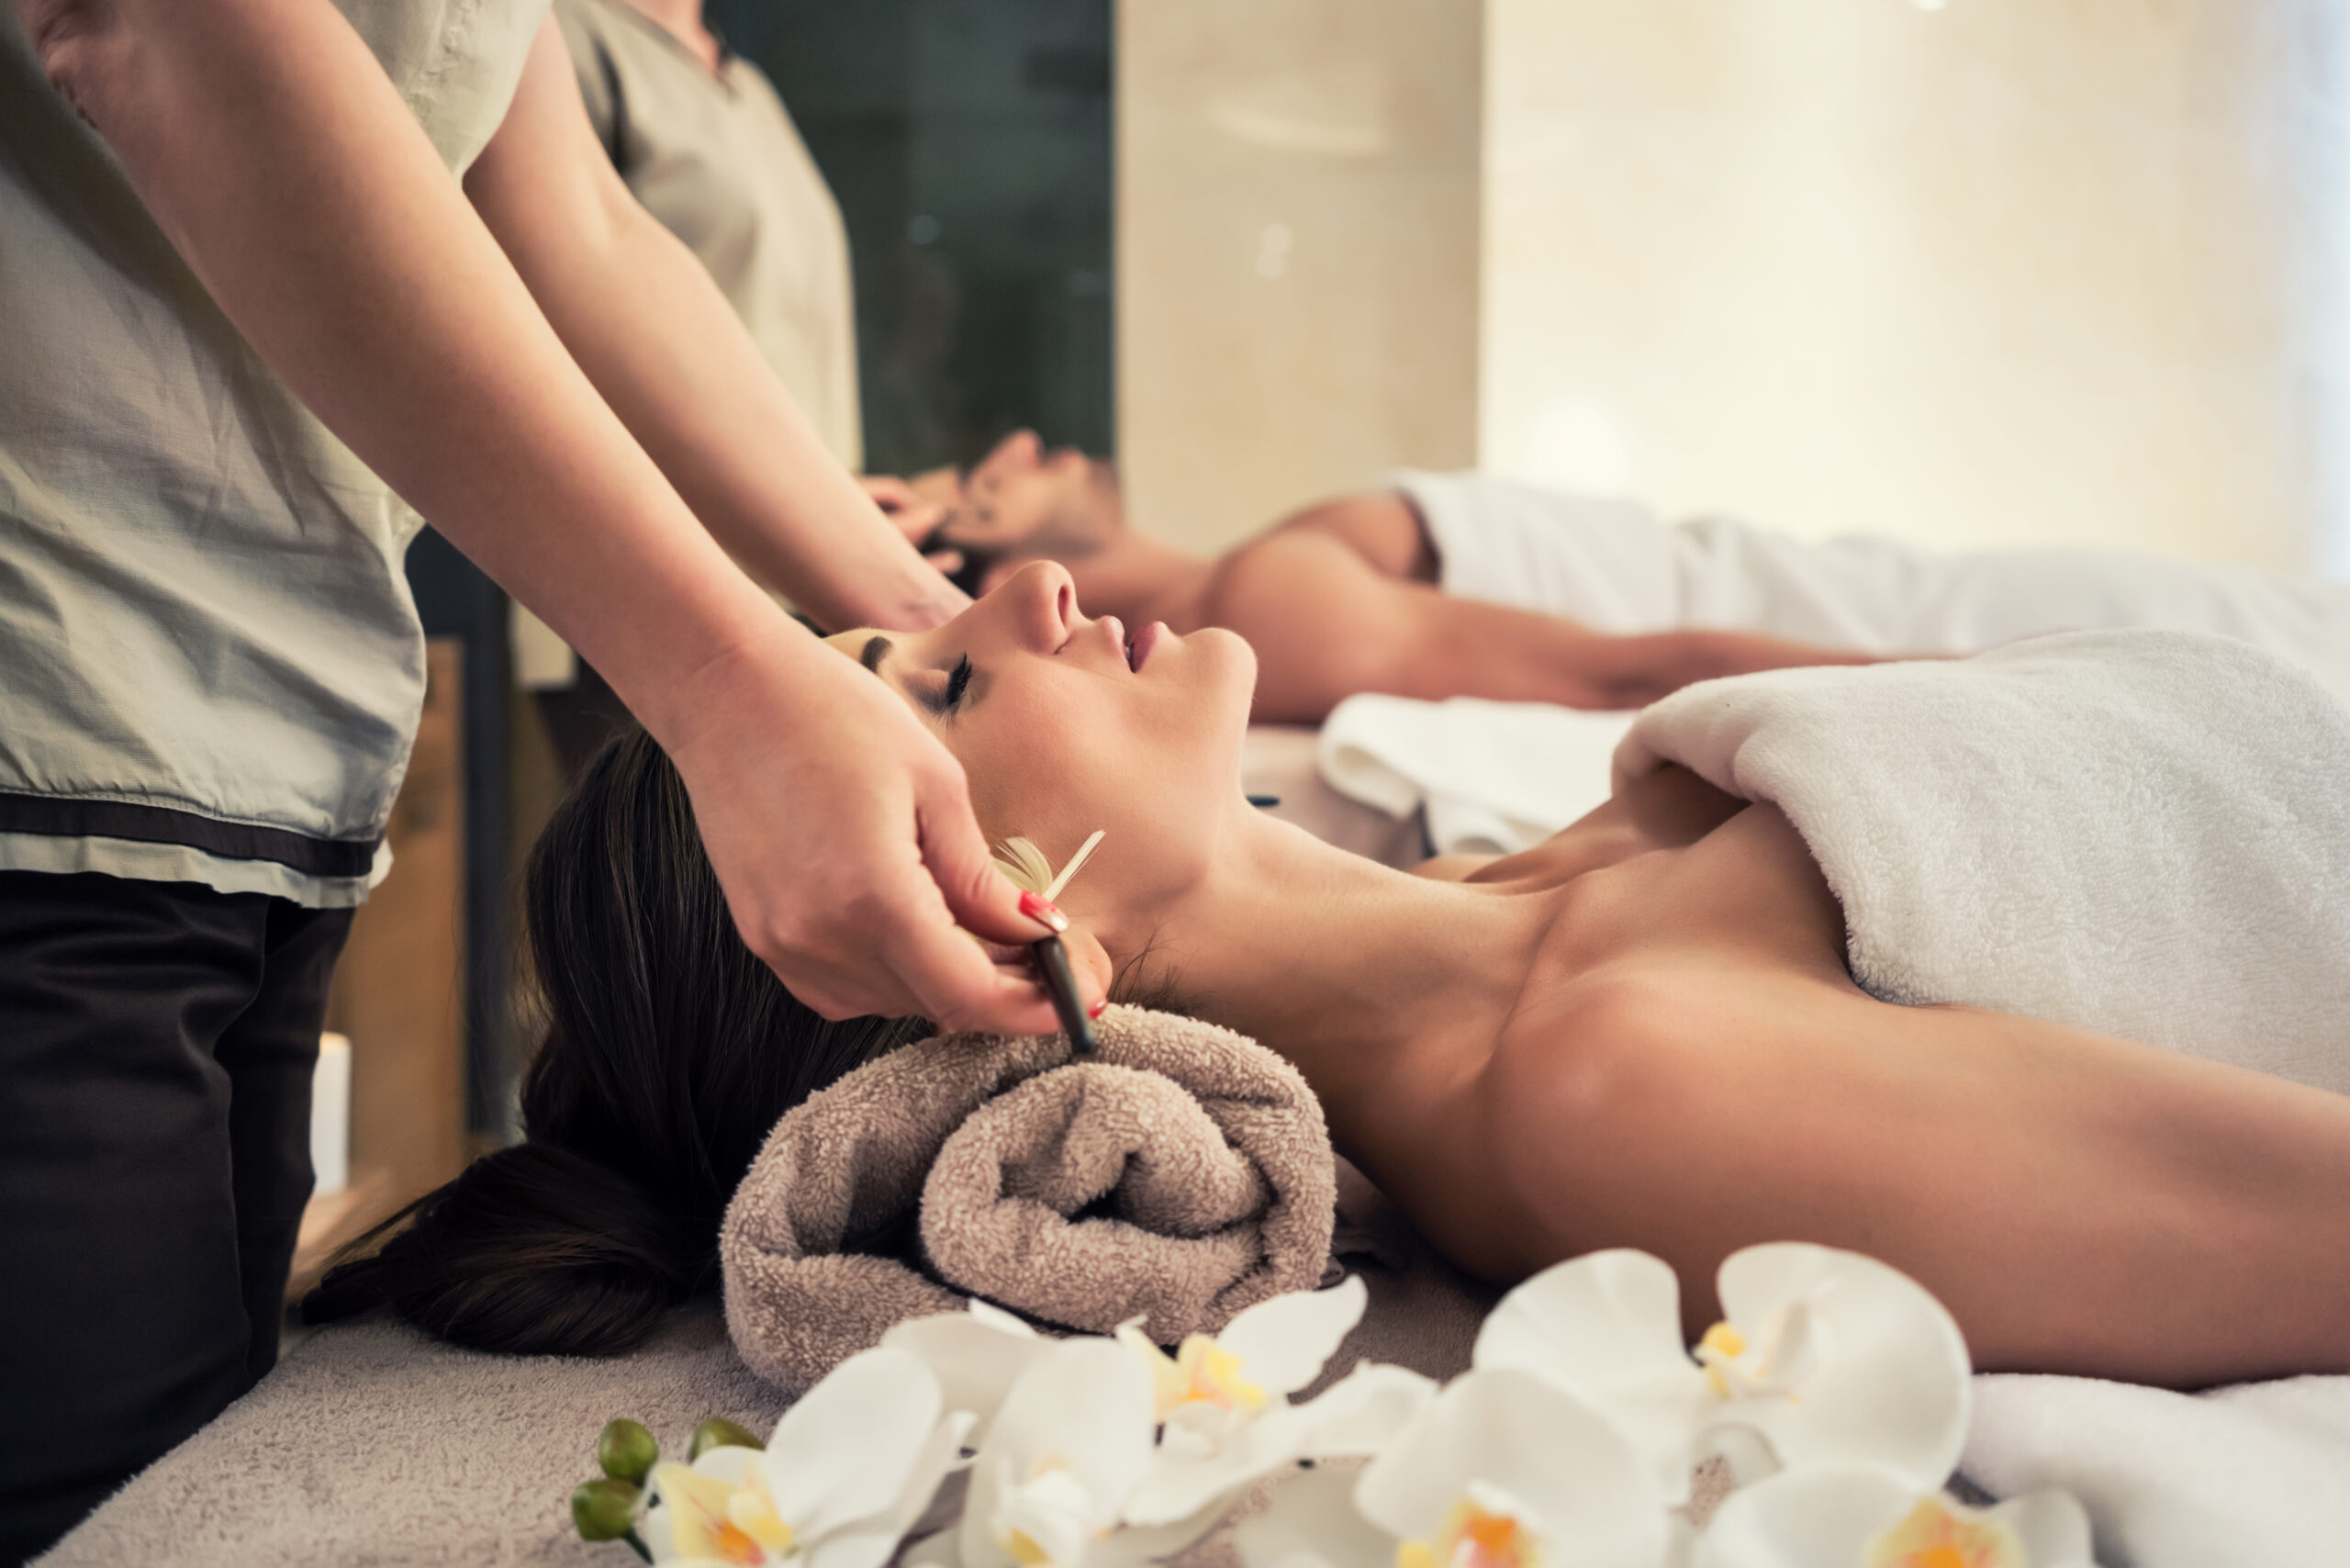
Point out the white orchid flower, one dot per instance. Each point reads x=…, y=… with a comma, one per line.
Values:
x=1502, y=1470
x=1871, y=1516
x=1051, y=1480
x=849, y=1470
x=1223, y=1409
x=976, y=1356
x=1826, y=1355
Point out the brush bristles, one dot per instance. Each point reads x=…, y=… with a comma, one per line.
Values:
x=1030, y=869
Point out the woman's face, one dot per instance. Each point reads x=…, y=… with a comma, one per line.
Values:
x=1065, y=725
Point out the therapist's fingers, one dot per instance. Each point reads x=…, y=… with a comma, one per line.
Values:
x=984, y=901
x=912, y=516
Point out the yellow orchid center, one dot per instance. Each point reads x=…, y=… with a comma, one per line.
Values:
x=1473, y=1538
x=1024, y=1549
x=752, y=1511
x=1738, y=1367
x=710, y=1517
x=1722, y=1343
x=1937, y=1536
x=1200, y=1372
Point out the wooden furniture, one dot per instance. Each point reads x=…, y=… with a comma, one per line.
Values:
x=399, y=993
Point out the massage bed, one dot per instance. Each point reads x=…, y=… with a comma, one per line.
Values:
x=370, y=1443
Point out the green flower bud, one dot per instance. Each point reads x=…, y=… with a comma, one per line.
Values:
x=627, y=1452
x=719, y=1433
x=604, y=1509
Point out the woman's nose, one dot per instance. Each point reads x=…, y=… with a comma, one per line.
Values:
x=1043, y=600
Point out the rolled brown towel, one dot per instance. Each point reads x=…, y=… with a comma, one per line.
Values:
x=1180, y=1174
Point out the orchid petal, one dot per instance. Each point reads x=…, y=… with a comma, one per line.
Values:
x=868, y=1542
x=1176, y=1486
x=1802, y=1518
x=1607, y=1327
x=654, y=1530
x=1585, y=1486
x=975, y=1356
x=1082, y=1406
x=1131, y=1547
x=1283, y=1342
x=846, y=1449
x=1362, y=1413
x=1863, y=1512
x=1311, y=1521
x=1884, y=1371
x=729, y=1462
x=693, y=1511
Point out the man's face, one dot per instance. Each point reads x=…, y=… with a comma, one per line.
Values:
x=1023, y=503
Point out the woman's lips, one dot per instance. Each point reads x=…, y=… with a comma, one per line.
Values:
x=1138, y=648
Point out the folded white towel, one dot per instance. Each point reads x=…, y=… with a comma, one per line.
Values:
x=2146, y=834
x=1494, y=778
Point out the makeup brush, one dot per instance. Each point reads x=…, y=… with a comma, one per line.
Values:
x=1052, y=962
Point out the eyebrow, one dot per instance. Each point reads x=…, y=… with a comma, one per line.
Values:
x=875, y=649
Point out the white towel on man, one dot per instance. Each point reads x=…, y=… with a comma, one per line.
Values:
x=1615, y=566
x=2142, y=833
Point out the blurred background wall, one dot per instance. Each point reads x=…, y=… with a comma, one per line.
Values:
x=969, y=147
x=1298, y=253
x=1986, y=271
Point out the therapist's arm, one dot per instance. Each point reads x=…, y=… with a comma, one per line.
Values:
x=269, y=146
x=642, y=317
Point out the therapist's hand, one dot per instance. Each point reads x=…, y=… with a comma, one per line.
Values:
x=841, y=832
x=911, y=514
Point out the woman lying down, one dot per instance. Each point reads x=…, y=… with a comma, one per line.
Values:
x=1645, y=1032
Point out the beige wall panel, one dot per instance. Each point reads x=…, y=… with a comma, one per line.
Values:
x=1994, y=271
x=1297, y=251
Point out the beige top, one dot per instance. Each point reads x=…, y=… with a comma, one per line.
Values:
x=210, y=668
x=717, y=159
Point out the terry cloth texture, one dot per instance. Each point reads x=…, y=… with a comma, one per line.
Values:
x=1179, y=1175
x=1616, y=567
x=373, y=1444
x=2140, y=833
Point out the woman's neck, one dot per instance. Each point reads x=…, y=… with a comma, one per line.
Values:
x=683, y=20
x=1354, y=971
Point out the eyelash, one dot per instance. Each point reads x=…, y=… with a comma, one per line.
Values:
x=956, y=680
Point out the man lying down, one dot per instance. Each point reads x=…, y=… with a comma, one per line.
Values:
x=1463, y=585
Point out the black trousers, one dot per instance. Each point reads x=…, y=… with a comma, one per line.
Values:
x=156, y=1047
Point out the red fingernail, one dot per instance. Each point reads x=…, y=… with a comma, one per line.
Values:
x=1036, y=906
x=1098, y=1009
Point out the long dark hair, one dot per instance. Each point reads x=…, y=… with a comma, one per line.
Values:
x=670, y=1052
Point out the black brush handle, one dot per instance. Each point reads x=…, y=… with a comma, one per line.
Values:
x=1052, y=962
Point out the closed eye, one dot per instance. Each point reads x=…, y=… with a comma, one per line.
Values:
x=957, y=680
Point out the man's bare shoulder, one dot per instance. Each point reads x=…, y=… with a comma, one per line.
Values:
x=1381, y=526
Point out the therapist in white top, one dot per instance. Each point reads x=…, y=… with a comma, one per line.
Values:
x=277, y=277
x=701, y=138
